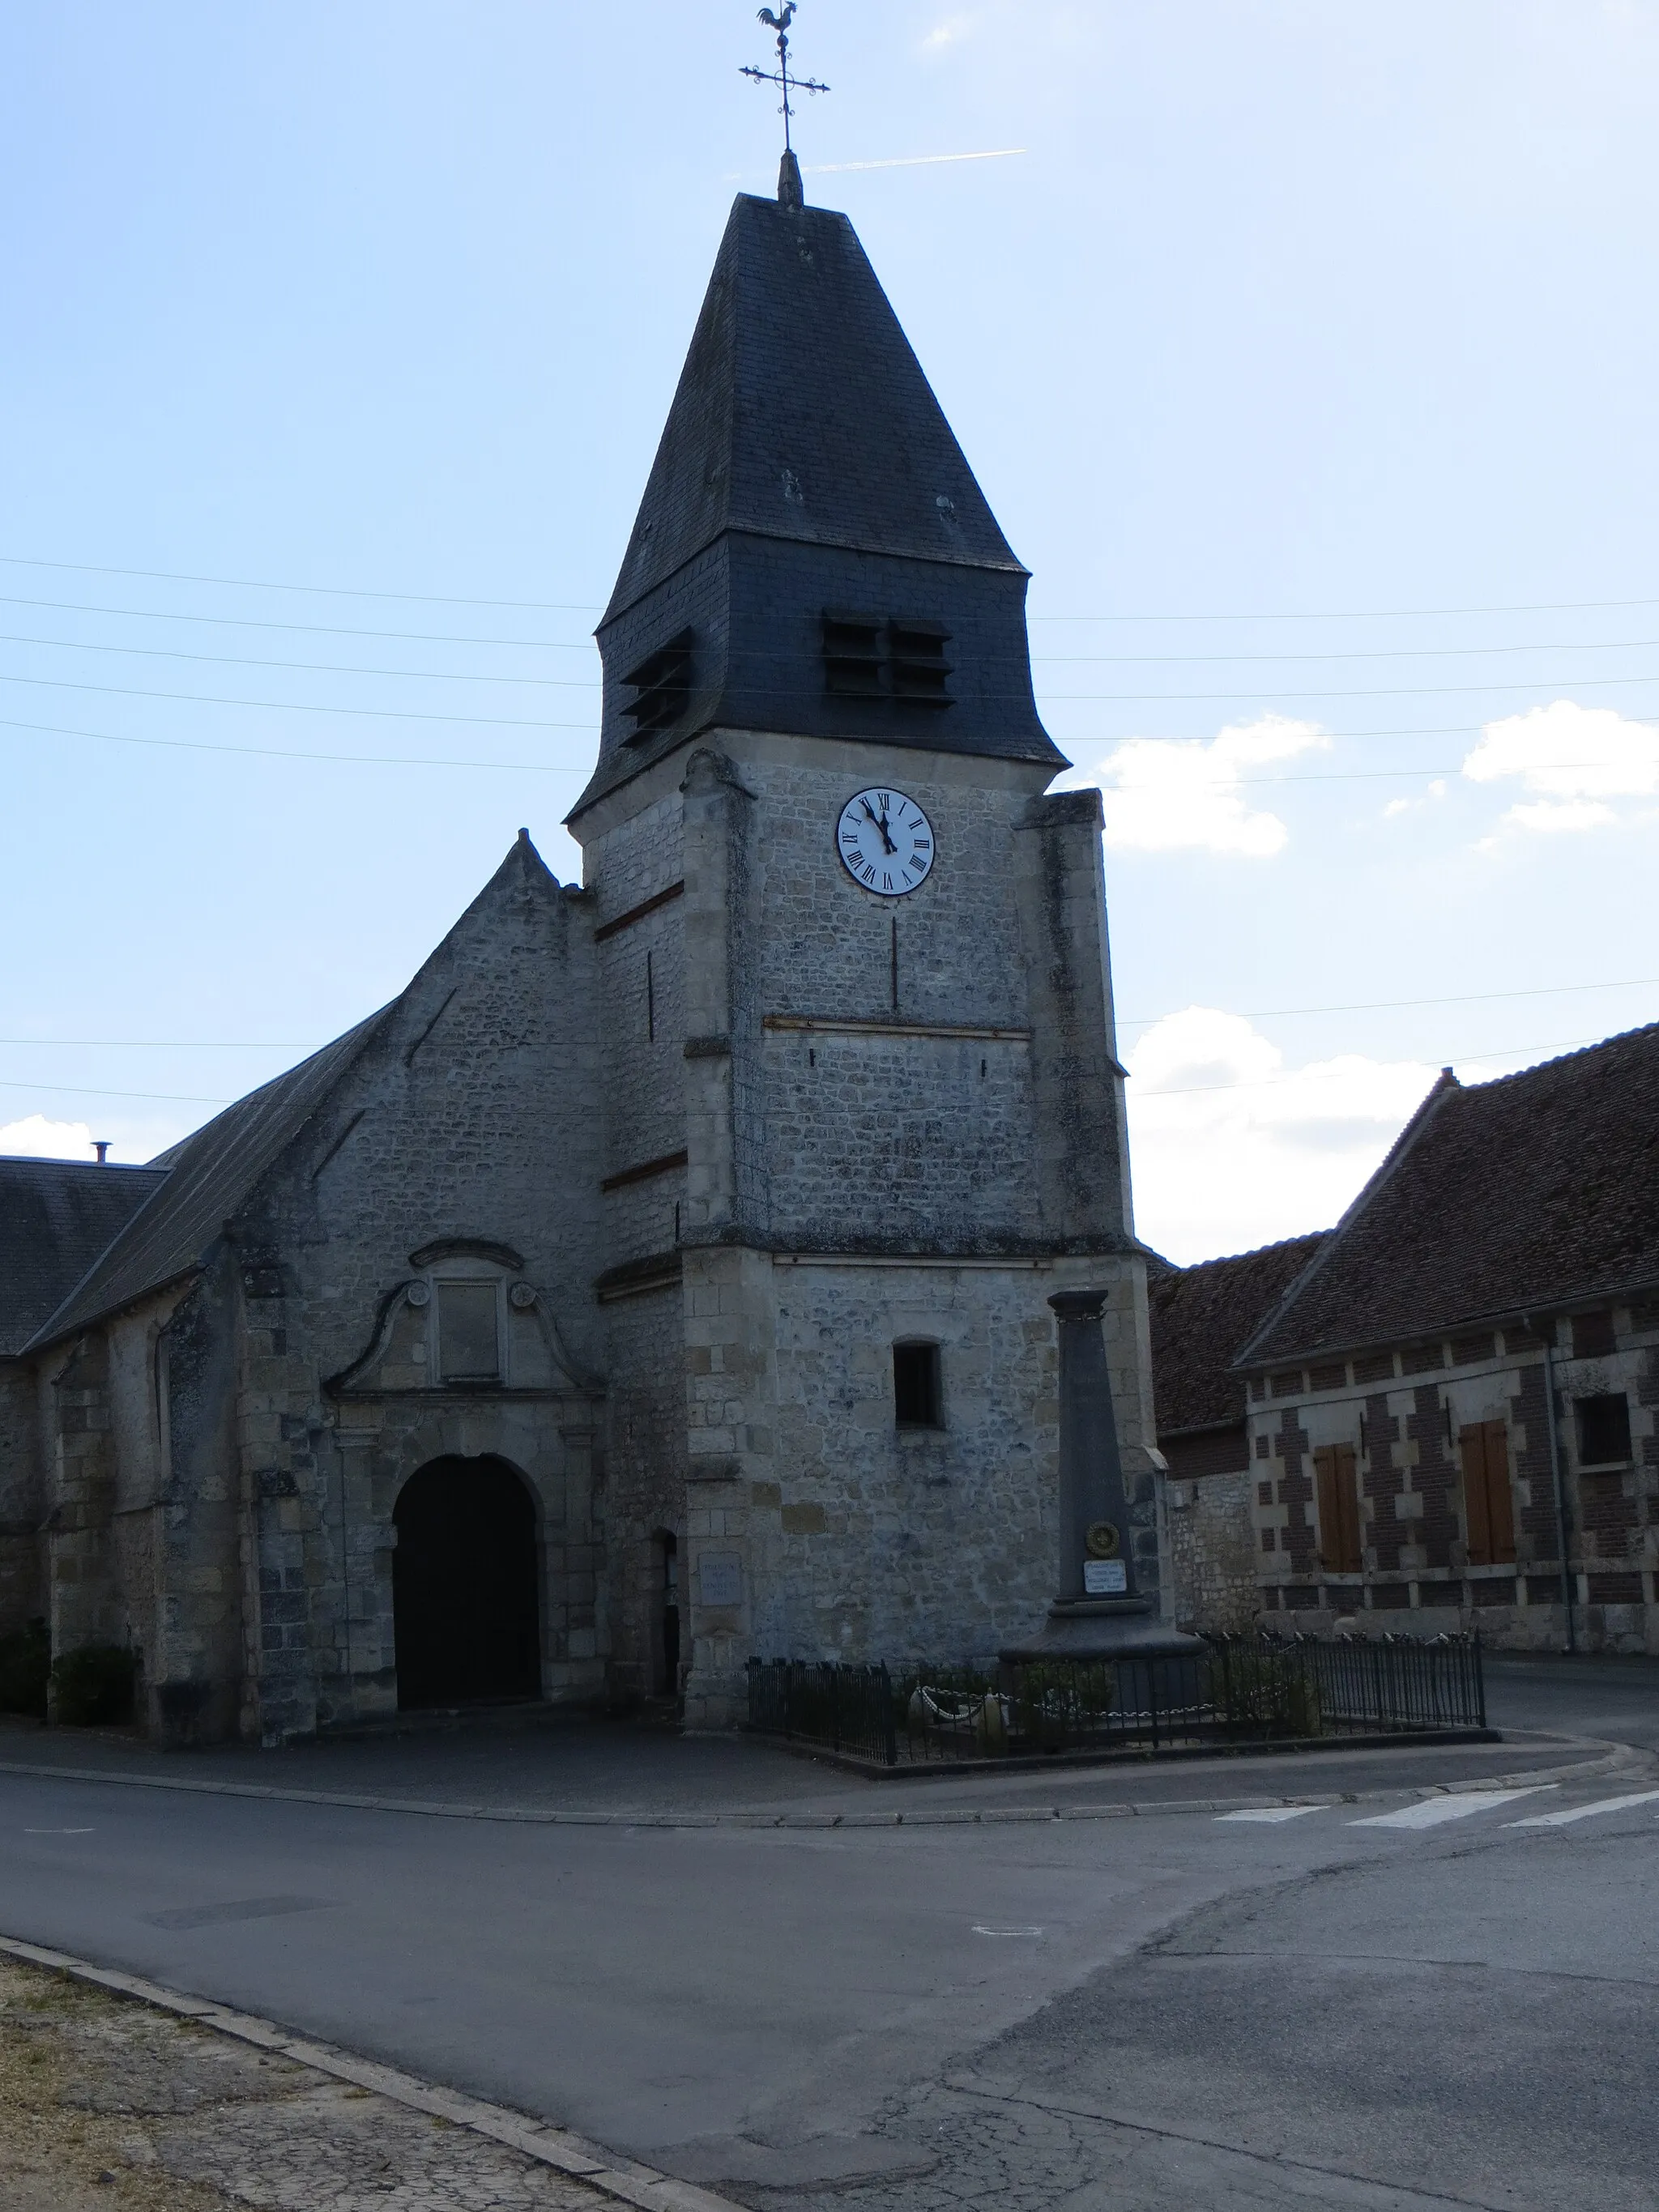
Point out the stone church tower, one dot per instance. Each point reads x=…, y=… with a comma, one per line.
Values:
x=862, y=1103
x=662, y=1279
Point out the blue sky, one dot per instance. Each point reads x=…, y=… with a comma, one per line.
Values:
x=1307, y=355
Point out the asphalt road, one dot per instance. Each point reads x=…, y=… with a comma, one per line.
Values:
x=1174, y=2009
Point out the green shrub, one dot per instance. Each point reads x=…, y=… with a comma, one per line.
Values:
x=93, y=1686
x=1263, y=1693
x=25, y=1664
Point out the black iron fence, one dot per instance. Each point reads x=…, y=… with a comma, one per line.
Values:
x=1233, y=1689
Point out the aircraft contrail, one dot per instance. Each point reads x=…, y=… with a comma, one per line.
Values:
x=911, y=161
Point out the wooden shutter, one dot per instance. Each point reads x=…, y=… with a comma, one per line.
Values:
x=1339, y=1508
x=1477, y=1522
x=1500, y=1499
x=1488, y=1500
x=1324, y=1460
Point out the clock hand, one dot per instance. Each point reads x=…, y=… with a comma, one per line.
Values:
x=880, y=821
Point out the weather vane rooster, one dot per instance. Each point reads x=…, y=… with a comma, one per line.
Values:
x=789, y=176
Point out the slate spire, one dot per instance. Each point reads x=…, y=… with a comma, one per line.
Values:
x=806, y=467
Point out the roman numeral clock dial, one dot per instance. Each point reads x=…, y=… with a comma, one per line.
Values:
x=886, y=843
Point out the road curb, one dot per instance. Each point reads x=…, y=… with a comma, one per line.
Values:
x=622, y=2179
x=1615, y=1756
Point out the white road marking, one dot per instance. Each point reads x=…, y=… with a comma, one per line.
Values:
x=1007, y=1931
x=1584, y=1812
x=58, y=1832
x=1458, y=1806
x=1273, y=1813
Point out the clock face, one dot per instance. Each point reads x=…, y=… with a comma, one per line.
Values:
x=886, y=843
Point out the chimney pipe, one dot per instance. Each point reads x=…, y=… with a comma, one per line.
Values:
x=100, y=1145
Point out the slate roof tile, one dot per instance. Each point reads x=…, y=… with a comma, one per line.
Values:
x=802, y=413
x=56, y=1216
x=208, y=1177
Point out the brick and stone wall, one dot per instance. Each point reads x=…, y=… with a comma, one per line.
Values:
x=1403, y=1411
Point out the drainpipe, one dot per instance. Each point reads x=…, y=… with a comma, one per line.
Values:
x=1545, y=1328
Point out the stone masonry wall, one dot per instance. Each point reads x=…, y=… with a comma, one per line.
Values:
x=22, y=1500
x=468, y=1115
x=1212, y=1556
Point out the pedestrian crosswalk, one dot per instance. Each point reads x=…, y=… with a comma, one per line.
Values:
x=1448, y=1805
x=1570, y=1812
x=1456, y=1805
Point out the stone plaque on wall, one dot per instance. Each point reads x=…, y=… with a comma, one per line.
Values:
x=720, y=1578
x=1105, y=1578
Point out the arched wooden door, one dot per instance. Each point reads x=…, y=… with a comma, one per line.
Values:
x=465, y=1585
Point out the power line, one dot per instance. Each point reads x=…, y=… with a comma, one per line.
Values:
x=303, y=667
x=1381, y=653
x=547, y=768
x=1134, y=1021
x=577, y=606
x=313, y=629
x=1343, y=1074
x=1378, y=1006
x=281, y=752
x=586, y=645
x=1370, y=614
x=498, y=722
x=169, y=1044
x=292, y=705
x=321, y=591
x=91, y=1090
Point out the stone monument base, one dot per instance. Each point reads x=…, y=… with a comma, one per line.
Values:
x=1104, y=1628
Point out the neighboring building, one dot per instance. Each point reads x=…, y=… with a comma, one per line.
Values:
x=56, y=1216
x=1407, y=1471
x=661, y=1278
x=1200, y=1317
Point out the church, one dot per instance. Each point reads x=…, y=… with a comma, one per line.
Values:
x=661, y=1280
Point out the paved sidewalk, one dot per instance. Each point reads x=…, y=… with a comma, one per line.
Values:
x=106, y=2102
x=594, y=1770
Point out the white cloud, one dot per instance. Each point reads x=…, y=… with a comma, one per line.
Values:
x=38, y=1139
x=1397, y=806
x=1169, y=795
x=1574, y=758
x=1231, y=1148
x=1549, y=814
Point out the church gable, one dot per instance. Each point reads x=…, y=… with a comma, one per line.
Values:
x=463, y=1130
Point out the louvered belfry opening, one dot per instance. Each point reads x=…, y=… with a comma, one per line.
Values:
x=916, y=662
x=875, y=657
x=852, y=655
x=661, y=685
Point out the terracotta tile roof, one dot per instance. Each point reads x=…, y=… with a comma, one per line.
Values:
x=1536, y=1189
x=56, y=1216
x=1202, y=1316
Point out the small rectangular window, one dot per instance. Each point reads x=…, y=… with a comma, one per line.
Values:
x=469, y=1350
x=1592, y=1336
x=1603, y=1429
x=918, y=1400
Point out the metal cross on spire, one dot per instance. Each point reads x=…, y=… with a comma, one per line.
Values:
x=789, y=190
